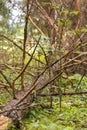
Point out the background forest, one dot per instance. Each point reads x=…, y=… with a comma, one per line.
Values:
x=43, y=64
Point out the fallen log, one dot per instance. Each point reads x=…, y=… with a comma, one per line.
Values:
x=12, y=112
x=16, y=108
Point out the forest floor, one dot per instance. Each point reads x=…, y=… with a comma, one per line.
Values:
x=73, y=114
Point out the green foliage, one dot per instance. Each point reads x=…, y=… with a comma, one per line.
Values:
x=45, y=3
x=4, y=96
x=3, y=9
x=72, y=117
x=75, y=12
x=76, y=78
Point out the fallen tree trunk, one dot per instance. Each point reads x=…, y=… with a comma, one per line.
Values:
x=15, y=109
x=14, y=113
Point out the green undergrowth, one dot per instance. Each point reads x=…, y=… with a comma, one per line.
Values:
x=73, y=115
x=4, y=96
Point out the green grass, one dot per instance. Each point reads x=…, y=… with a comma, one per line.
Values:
x=73, y=116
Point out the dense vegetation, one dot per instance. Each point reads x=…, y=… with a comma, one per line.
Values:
x=43, y=64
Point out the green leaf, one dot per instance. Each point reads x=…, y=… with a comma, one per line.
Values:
x=76, y=12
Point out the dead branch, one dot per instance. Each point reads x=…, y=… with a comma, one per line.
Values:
x=36, y=26
x=64, y=94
